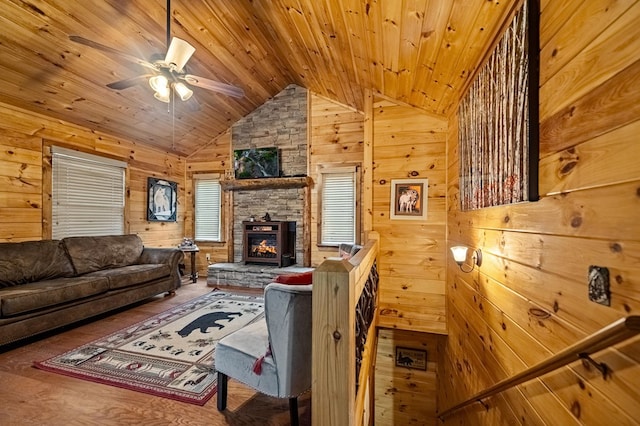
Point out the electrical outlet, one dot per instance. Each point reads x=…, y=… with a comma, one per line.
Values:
x=208, y=256
x=599, y=290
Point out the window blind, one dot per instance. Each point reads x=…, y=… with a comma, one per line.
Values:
x=207, y=209
x=87, y=194
x=338, y=208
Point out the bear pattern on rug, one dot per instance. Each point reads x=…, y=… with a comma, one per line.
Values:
x=208, y=320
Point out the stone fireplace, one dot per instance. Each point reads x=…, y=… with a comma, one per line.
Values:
x=282, y=123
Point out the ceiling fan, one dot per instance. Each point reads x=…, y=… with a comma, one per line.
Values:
x=165, y=73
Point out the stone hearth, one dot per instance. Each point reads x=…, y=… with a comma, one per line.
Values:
x=253, y=276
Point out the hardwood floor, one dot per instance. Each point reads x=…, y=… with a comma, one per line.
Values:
x=34, y=397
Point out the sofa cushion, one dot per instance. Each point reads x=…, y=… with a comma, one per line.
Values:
x=90, y=254
x=32, y=261
x=48, y=293
x=127, y=276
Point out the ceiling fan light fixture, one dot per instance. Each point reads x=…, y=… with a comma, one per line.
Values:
x=163, y=76
x=178, y=53
x=159, y=83
x=183, y=91
x=162, y=97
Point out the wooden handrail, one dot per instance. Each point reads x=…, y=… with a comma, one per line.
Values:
x=614, y=333
x=337, y=287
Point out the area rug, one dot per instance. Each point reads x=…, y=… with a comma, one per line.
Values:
x=170, y=354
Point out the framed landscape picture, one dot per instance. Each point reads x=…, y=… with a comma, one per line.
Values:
x=162, y=200
x=256, y=163
x=409, y=199
x=498, y=119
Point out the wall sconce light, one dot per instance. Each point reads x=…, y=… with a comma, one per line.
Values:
x=460, y=255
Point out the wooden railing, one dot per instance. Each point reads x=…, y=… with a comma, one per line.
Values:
x=344, y=338
x=610, y=335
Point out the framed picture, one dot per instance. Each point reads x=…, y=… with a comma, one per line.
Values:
x=162, y=200
x=498, y=119
x=411, y=358
x=409, y=199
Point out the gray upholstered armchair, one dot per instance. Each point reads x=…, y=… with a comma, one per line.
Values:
x=272, y=355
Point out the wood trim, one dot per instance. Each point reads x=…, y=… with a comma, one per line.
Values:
x=47, y=215
x=367, y=166
x=266, y=183
x=365, y=399
x=306, y=228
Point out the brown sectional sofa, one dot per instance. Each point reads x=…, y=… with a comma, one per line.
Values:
x=50, y=283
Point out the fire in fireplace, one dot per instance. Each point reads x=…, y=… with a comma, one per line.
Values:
x=263, y=248
x=269, y=242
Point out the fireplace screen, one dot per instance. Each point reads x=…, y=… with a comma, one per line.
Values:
x=263, y=246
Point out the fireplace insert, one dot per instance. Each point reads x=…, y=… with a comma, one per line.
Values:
x=270, y=243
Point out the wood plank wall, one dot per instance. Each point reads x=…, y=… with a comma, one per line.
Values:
x=412, y=290
x=406, y=396
x=25, y=204
x=215, y=158
x=410, y=144
x=336, y=135
x=529, y=299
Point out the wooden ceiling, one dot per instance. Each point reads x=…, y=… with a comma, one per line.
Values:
x=418, y=52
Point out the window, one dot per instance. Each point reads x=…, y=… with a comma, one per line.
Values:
x=208, y=201
x=338, y=206
x=87, y=194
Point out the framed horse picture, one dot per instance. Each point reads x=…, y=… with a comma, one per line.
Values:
x=162, y=200
x=409, y=199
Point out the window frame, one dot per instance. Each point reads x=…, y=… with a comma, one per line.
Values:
x=208, y=177
x=323, y=171
x=68, y=157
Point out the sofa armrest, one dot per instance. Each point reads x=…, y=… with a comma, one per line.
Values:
x=170, y=256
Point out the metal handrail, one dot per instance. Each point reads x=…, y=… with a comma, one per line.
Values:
x=614, y=333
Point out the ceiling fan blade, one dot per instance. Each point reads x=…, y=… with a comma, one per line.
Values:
x=96, y=45
x=179, y=53
x=128, y=82
x=193, y=104
x=216, y=86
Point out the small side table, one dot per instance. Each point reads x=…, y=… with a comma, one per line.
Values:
x=194, y=270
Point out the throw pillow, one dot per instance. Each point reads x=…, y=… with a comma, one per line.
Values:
x=297, y=279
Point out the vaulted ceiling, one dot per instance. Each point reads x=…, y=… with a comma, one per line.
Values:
x=418, y=52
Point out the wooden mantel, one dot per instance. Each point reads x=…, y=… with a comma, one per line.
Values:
x=266, y=183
